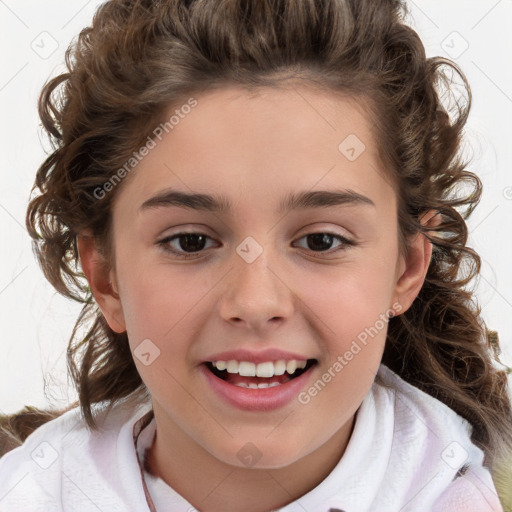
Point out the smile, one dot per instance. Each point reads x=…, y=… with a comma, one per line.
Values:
x=262, y=386
x=262, y=374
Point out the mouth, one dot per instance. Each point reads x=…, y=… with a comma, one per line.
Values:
x=245, y=374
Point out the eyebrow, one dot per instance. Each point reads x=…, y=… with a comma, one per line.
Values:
x=222, y=204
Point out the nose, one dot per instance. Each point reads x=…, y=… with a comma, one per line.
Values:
x=257, y=295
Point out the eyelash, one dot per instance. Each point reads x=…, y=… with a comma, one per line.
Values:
x=164, y=244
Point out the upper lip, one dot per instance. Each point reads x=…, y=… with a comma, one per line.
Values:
x=271, y=354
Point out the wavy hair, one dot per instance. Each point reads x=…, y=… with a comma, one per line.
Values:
x=141, y=56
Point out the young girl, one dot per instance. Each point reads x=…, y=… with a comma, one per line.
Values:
x=260, y=205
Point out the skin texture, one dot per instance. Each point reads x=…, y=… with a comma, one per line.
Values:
x=256, y=148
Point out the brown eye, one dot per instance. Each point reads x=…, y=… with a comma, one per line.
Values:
x=184, y=244
x=191, y=242
x=323, y=242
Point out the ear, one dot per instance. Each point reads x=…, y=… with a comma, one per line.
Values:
x=413, y=267
x=101, y=280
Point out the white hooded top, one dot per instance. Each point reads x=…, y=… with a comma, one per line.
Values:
x=408, y=453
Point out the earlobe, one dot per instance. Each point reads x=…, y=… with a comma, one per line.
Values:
x=101, y=280
x=415, y=265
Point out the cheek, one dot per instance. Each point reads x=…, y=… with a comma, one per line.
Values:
x=351, y=297
x=158, y=310
x=352, y=312
x=158, y=296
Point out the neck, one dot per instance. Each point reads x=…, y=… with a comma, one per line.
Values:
x=211, y=485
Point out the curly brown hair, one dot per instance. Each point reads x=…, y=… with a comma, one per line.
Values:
x=141, y=56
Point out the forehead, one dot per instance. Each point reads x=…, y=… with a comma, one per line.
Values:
x=263, y=143
x=282, y=118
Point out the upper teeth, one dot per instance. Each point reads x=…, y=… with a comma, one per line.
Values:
x=267, y=369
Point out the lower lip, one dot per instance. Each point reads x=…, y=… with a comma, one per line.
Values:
x=265, y=399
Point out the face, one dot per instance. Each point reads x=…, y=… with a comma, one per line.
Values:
x=264, y=281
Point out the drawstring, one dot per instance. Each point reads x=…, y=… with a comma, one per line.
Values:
x=138, y=427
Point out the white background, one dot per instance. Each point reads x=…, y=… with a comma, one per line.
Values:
x=36, y=322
